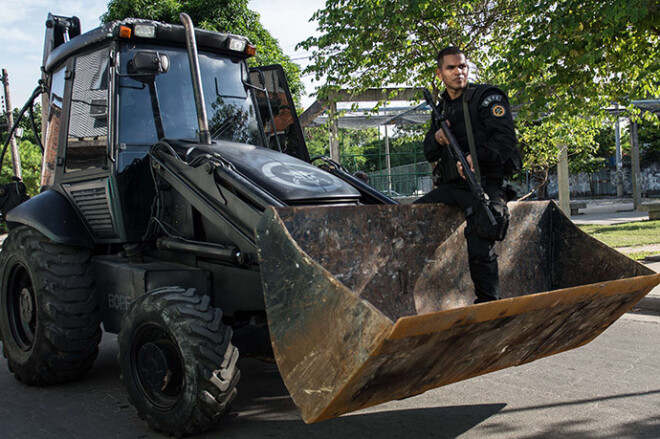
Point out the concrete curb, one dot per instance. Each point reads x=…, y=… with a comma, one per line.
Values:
x=649, y=303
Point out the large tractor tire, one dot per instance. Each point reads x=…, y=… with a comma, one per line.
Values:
x=177, y=360
x=49, y=314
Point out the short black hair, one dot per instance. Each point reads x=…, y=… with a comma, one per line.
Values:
x=449, y=50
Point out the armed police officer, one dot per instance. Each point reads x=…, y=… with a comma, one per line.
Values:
x=480, y=119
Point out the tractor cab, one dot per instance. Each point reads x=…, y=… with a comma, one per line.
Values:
x=117, y=91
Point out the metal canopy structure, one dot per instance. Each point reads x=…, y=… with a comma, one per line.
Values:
x=369, y=95
x=420, y=114
x=311, y=116
x=406, y=115
x=392, y=116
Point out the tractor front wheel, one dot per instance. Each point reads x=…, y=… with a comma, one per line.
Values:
x=177, y=360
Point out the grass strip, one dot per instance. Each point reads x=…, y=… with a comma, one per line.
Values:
x=625, y=235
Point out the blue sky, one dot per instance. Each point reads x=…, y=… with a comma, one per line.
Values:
x=22, y=22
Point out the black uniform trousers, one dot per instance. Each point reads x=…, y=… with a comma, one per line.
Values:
x=482, y=258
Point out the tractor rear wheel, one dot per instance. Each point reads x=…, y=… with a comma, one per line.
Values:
x=177, y=360
x=49, y=314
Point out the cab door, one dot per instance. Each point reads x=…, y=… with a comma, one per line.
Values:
x=278, y=112
x=82, y=164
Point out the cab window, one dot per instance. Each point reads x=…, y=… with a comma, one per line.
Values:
x=87, y=140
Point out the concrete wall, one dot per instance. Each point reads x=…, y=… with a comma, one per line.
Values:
x=415, y=180
x=601, y=183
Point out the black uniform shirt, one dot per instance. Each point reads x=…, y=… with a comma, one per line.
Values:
x=492, y=125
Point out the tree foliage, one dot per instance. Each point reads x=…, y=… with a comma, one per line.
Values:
x=28, y=150
x=571, y=57
x=30, y=166
x=364, y=149
x=351, y=143
x=372, y=44
x=649, y=142
x=561, y=61
x=228, y=16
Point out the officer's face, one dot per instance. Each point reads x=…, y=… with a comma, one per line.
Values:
x=454, y=72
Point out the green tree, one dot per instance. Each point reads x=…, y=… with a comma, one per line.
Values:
x=571, y=57
x=351, y=144
x=369, y=44
x=364, y=149
x=228, y=16
x=30, y=166
x=316, y=139
x=562, y=61
x=29, y=152
x=405, y=148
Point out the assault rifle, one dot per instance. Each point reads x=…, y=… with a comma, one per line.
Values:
x=457, y=155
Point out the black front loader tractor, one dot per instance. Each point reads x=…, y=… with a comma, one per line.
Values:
x=180, y=210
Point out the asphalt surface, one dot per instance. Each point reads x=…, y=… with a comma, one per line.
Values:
x=607, y=211
x=610, y=211
x=607, y=389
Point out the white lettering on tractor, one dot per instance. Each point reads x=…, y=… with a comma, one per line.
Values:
x=117, y=301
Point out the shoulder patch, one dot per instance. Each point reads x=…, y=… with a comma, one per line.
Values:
x=498, y=110
x=490, y=99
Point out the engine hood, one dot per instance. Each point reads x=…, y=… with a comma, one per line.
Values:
x=285, y=177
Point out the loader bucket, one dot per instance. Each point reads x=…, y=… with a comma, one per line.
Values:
x=368, y=304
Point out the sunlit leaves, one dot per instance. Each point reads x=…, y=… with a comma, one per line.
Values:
x=371, y=44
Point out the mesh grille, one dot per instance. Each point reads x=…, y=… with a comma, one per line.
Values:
x=93, y=204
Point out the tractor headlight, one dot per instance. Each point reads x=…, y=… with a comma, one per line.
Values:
x=237, y=45
x=145, y=30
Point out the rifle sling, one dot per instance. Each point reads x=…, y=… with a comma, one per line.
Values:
x=470, y=136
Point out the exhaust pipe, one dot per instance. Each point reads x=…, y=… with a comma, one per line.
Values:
x=202, y=120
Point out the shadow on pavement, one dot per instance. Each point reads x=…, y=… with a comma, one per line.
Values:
x=97, y=406
x=435, y=422
x=264, y=408
x=581, y=424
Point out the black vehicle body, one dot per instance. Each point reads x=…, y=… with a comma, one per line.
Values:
x=160, y=210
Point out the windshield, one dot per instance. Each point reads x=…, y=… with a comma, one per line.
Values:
x=230, y=110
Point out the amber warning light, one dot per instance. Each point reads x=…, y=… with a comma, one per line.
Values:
x=124, y=32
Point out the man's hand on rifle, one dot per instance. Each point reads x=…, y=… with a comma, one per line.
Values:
x=441, y=138
x=468, y=159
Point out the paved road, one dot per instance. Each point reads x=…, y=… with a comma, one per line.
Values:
x=608, y=211
x=609, y=388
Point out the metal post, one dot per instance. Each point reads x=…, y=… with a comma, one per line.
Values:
x=415, y=170
x=619, y=173
x=562, y=177
x=334, y=133
x=636, y=174
x=15, y=157
x=388, y=162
